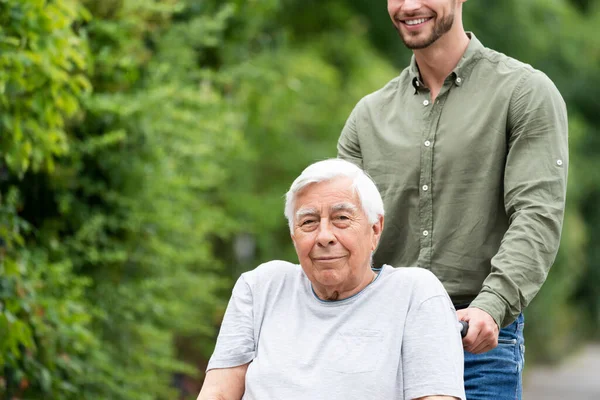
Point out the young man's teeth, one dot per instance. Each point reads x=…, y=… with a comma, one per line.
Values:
x=415, y=21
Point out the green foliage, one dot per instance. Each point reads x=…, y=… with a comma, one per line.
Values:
x=126, y=213
x=41, y=65
x=140, y=214
x=44, y=324
x=44, y=331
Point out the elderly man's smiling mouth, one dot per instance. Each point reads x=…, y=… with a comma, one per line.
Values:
x=328, y=258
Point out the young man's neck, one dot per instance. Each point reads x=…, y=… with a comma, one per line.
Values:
x=438, y=60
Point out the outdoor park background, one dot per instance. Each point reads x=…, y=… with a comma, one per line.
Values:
x=145, y=147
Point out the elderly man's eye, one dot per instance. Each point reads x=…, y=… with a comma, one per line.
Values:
x=307, y=222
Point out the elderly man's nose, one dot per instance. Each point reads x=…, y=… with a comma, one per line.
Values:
x=325, y=236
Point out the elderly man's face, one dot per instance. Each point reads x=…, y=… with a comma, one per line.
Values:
x=332, y=235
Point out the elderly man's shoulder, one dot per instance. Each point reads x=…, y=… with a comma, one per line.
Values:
x=273, y=271
x=418, y=280
x=417, y=274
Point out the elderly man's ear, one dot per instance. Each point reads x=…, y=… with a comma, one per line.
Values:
x=377, y=229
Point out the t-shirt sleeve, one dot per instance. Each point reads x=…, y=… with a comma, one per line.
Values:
x=235, y=343
x=432, y=353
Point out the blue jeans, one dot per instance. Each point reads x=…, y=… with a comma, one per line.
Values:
x=496, y=375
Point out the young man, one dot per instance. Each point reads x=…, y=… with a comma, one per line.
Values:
x=469, y=150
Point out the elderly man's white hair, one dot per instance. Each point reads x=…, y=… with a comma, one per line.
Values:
x=326, y=170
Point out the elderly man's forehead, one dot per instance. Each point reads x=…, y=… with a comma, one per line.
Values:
x=338, y=184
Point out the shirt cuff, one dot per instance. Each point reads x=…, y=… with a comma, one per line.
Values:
x=494, y=305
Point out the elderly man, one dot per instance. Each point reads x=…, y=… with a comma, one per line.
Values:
x=333, y=327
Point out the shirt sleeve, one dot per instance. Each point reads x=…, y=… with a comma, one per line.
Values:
x=348, y=146
x=432, y=353
x=235, y=343
x=535, y=183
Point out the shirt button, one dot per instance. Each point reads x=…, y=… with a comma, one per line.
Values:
x=425, y=187
x=425, y=103
x=559, y=162
x=458, y=80
x=425, y=233
x=427, y=143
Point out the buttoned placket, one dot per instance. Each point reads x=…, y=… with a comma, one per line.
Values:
x=431, y=116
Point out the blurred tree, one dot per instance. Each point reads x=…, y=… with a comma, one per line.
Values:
x=136, y=196
x=44, y=325
x=118, y=205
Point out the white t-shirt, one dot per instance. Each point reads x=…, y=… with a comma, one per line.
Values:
x=396, y=339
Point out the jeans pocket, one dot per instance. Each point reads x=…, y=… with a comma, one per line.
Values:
x=510, y=350
x=507, y=341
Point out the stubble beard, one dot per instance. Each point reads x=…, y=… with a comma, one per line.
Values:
x=439, y=29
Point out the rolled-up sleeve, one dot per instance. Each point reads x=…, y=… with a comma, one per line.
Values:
x=535, y=183
x=236, y=341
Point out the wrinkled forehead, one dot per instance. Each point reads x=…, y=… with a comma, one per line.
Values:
x=326, y=197
x=328, y=209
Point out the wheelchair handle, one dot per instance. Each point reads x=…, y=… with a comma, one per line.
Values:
x=464, y=328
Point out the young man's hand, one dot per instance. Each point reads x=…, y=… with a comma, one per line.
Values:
x=483, y=330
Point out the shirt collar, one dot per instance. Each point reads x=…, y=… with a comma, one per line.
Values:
x=462, y=70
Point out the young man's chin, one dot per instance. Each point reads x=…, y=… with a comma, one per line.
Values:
x=417, y=44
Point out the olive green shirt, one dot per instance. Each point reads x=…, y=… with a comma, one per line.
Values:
x=474, y=183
